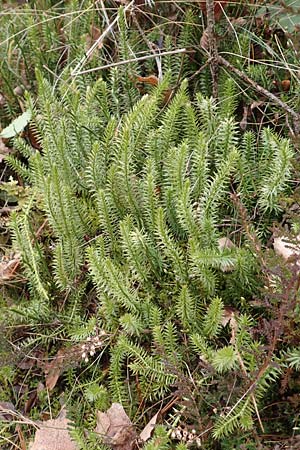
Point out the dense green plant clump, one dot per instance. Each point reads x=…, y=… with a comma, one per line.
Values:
x=142, y=241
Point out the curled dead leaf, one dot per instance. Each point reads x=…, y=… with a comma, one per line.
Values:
x=256, y=104
x=115, y=428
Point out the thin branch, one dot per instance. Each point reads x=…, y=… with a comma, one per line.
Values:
x=263, y=91
x=127, y=61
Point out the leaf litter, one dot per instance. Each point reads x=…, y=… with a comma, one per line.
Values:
x=115, y=428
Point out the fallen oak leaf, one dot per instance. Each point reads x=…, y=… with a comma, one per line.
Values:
x=54, y=434
x=115, y=428
x=225, y=242
x=218, y=7
x=151, y=79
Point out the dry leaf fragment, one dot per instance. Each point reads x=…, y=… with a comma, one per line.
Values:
x=6, y=411
x=54, y=435
x=204, y=41
x=147, y=431
x=21, y=437
x=228, y=315
x=151, y=79
x=8, y=266
x=115, y=428
x=286, y=249
x=54, y=369
x=225, y=242
x=4, y=150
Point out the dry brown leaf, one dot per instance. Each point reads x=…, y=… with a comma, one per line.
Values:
x=4, y=150
x=95, y=35
x=54, y=435
x=21, y=437
x=8, y=266
x=225, y=242
x=54, y=369
x=286, y=249
x=32, y=359
x=6, y=411
x=228, y=315
x=115, y=428
x=239, y=21
x=33, y=397
x=147, y=431
x=151, y=79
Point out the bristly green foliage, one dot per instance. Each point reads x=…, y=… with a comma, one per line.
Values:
x=135, y=207
x=131, y=202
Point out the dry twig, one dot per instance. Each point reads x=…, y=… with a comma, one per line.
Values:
x=213, y=48
x=263, y=91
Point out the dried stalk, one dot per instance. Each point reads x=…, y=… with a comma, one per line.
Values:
x=127, y=61
x=213, y=48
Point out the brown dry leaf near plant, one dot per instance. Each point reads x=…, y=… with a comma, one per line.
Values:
x=54, y=435
x=8, y=266
x=147, y=431
x=4, y=150
x=67, y=357
x=115, y=428
x=286, y=249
